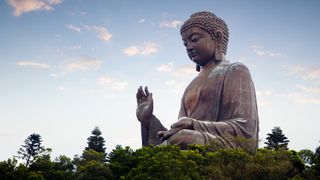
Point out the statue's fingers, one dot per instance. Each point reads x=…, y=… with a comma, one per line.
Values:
x=146, y=90
x=170, y=133
x=177, y=124
x=139, y=95
x=161, y=133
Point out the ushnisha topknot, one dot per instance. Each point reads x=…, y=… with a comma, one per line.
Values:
x=210, y=23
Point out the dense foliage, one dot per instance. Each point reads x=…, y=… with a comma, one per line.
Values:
x=168, y=162
x=163, y=162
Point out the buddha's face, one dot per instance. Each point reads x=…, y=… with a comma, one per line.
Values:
x=199, y=44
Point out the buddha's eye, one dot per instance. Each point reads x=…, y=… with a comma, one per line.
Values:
x=195, y=38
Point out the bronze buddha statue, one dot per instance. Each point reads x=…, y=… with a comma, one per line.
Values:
x=220, y=102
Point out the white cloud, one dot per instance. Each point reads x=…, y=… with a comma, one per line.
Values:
x=176, y=87
x=180, y=71
x=75, y=47
x=180, y=74
x=264, y=93
x=165, y=67
x=103, y=33
x=74, y=28
x=305, y=72
x=32, y=64
x=24, y=6
x=82, y=13
x=185, y=70
x=149, y=48
x=83, y=63
x=261, y=52
x=131, y=51
x=262, y=103
x=170, y=24
x=61, y=88
x=302, y=98
x=146, y=48
x=308, y=89
x=112, y=84
x=142, y=20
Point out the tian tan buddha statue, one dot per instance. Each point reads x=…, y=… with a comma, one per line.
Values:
x=219, y=103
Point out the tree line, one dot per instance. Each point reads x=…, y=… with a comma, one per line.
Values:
x=274, y=161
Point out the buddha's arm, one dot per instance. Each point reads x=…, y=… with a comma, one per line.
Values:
x=149, y=131
x=238, y=114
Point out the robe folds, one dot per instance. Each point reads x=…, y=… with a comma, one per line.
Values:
x=222, y=104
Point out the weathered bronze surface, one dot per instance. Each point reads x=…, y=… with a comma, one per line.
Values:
x=218, y=104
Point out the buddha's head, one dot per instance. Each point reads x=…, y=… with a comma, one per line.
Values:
x=205, y=37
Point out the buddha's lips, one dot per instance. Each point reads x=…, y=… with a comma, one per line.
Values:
x=193, y=54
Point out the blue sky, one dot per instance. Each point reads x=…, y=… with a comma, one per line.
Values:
x=68, y=66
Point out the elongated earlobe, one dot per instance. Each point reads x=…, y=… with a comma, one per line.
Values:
x=218, y=54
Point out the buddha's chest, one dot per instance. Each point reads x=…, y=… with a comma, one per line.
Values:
x=198, y=95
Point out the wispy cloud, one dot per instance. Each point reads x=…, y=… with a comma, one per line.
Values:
x=73, y=27
x=262, y=52
x=103, y=33
x=83, y=64
x=111, y=83
x=315, y=90
x=149, y=48
x=176, y=87
x=178, y=71
x=264, y=93
x=131, y=51
x=32, y=64
x=302, y=98
x=307, y=73
x=165, y=67
x=171, y=24
x=61, y=88
x=185, y=70
x=75, y=47
x=142, y=20
x=146, y=48
x=24, y=6
x=262, y=97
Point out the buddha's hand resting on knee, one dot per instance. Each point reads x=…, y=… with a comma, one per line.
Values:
x=183, y=123
x=145, y=105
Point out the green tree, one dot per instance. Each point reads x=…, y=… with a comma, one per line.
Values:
x=96, y=141
x=307, y=156
x=121, y=161
x=31, y=149
x=7, y=169
x=91, y=165
x=277, y=140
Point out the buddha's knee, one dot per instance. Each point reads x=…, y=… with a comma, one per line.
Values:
x=185, y=137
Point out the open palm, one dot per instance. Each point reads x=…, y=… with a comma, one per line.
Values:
x=145, y=105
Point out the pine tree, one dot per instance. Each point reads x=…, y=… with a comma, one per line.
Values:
x=96, y=141
x=31, y=149
x=276, y=140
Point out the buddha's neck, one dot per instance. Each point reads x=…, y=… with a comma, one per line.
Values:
x=209, y=66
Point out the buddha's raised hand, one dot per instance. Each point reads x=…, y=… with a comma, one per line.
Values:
x=145, y=105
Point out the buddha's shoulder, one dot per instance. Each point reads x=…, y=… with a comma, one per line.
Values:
x=235, y=67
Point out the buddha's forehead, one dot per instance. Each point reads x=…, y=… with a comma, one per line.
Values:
x=191, y=31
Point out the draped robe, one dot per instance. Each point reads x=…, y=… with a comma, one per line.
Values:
x=221, y=101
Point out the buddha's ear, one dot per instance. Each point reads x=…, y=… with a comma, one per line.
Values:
x=218, y=55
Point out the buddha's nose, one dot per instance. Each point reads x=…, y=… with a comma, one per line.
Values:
x=189, y=47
